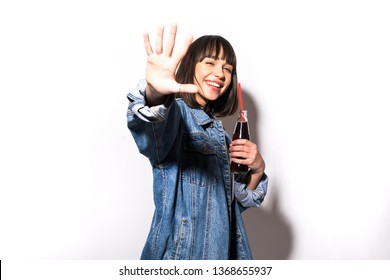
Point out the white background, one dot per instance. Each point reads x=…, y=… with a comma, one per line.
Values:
x=315, y=76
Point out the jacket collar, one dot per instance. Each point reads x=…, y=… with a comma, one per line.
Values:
x=201, y=117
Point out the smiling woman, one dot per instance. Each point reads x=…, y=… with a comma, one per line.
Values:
x=171, y=115
x=212, y=77
x=210, y=64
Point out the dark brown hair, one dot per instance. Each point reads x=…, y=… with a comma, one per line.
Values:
x=209, y=46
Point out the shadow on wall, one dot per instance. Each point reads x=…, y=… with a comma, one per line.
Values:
x=270, y=235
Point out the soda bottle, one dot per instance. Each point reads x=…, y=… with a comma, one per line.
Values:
x=241, y=131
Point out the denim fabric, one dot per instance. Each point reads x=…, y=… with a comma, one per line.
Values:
x=196, y=216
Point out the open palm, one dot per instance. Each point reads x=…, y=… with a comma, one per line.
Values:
x=162, y=63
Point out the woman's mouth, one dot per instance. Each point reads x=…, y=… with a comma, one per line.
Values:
x=214, y=84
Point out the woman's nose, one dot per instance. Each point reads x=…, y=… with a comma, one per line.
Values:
x=218, y=72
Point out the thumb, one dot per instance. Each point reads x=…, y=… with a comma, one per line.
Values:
x=190, y=88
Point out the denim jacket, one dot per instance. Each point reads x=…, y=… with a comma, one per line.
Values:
x=196, y=215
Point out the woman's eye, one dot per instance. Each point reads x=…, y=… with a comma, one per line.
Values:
x=229, y=70
x=209, y=62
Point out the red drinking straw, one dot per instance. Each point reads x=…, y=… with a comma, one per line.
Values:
x=240, y=100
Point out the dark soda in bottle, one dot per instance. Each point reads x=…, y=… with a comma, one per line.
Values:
x=241, y=131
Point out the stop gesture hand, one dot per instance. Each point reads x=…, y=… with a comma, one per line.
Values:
x=161, y=66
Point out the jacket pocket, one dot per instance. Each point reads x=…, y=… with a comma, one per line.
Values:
x=199, y=145
x=200, y=161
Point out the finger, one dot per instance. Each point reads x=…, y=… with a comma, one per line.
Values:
x=147, y=45
x=241, y=148
x=239, y=154
x=244, y=159
x=159, y=39
x=182, y=88
x=171, y=40
x=188, y=88
x=179, y=56
x=240, y=160
x=240, y=142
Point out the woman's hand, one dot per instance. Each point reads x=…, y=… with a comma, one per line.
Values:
x=162, y=64
x=243, y=151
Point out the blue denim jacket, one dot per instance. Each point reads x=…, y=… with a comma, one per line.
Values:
x=196, y=215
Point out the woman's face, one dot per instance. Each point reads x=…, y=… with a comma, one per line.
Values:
x=212, y=76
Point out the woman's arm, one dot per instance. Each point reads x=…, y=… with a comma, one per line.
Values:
x=153, y=116
x=250, y=188
x=154, y=128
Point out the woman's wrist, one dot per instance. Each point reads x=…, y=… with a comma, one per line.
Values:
x=254, y=179
x=153, y=97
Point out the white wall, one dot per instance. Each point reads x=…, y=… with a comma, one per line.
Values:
x=315, y=75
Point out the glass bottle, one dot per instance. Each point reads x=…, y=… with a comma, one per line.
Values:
x=241, y=131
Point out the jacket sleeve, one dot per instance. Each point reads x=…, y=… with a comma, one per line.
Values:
x=250, y=198
x=155, y=128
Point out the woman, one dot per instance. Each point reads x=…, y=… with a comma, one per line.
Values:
x=171, y=115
